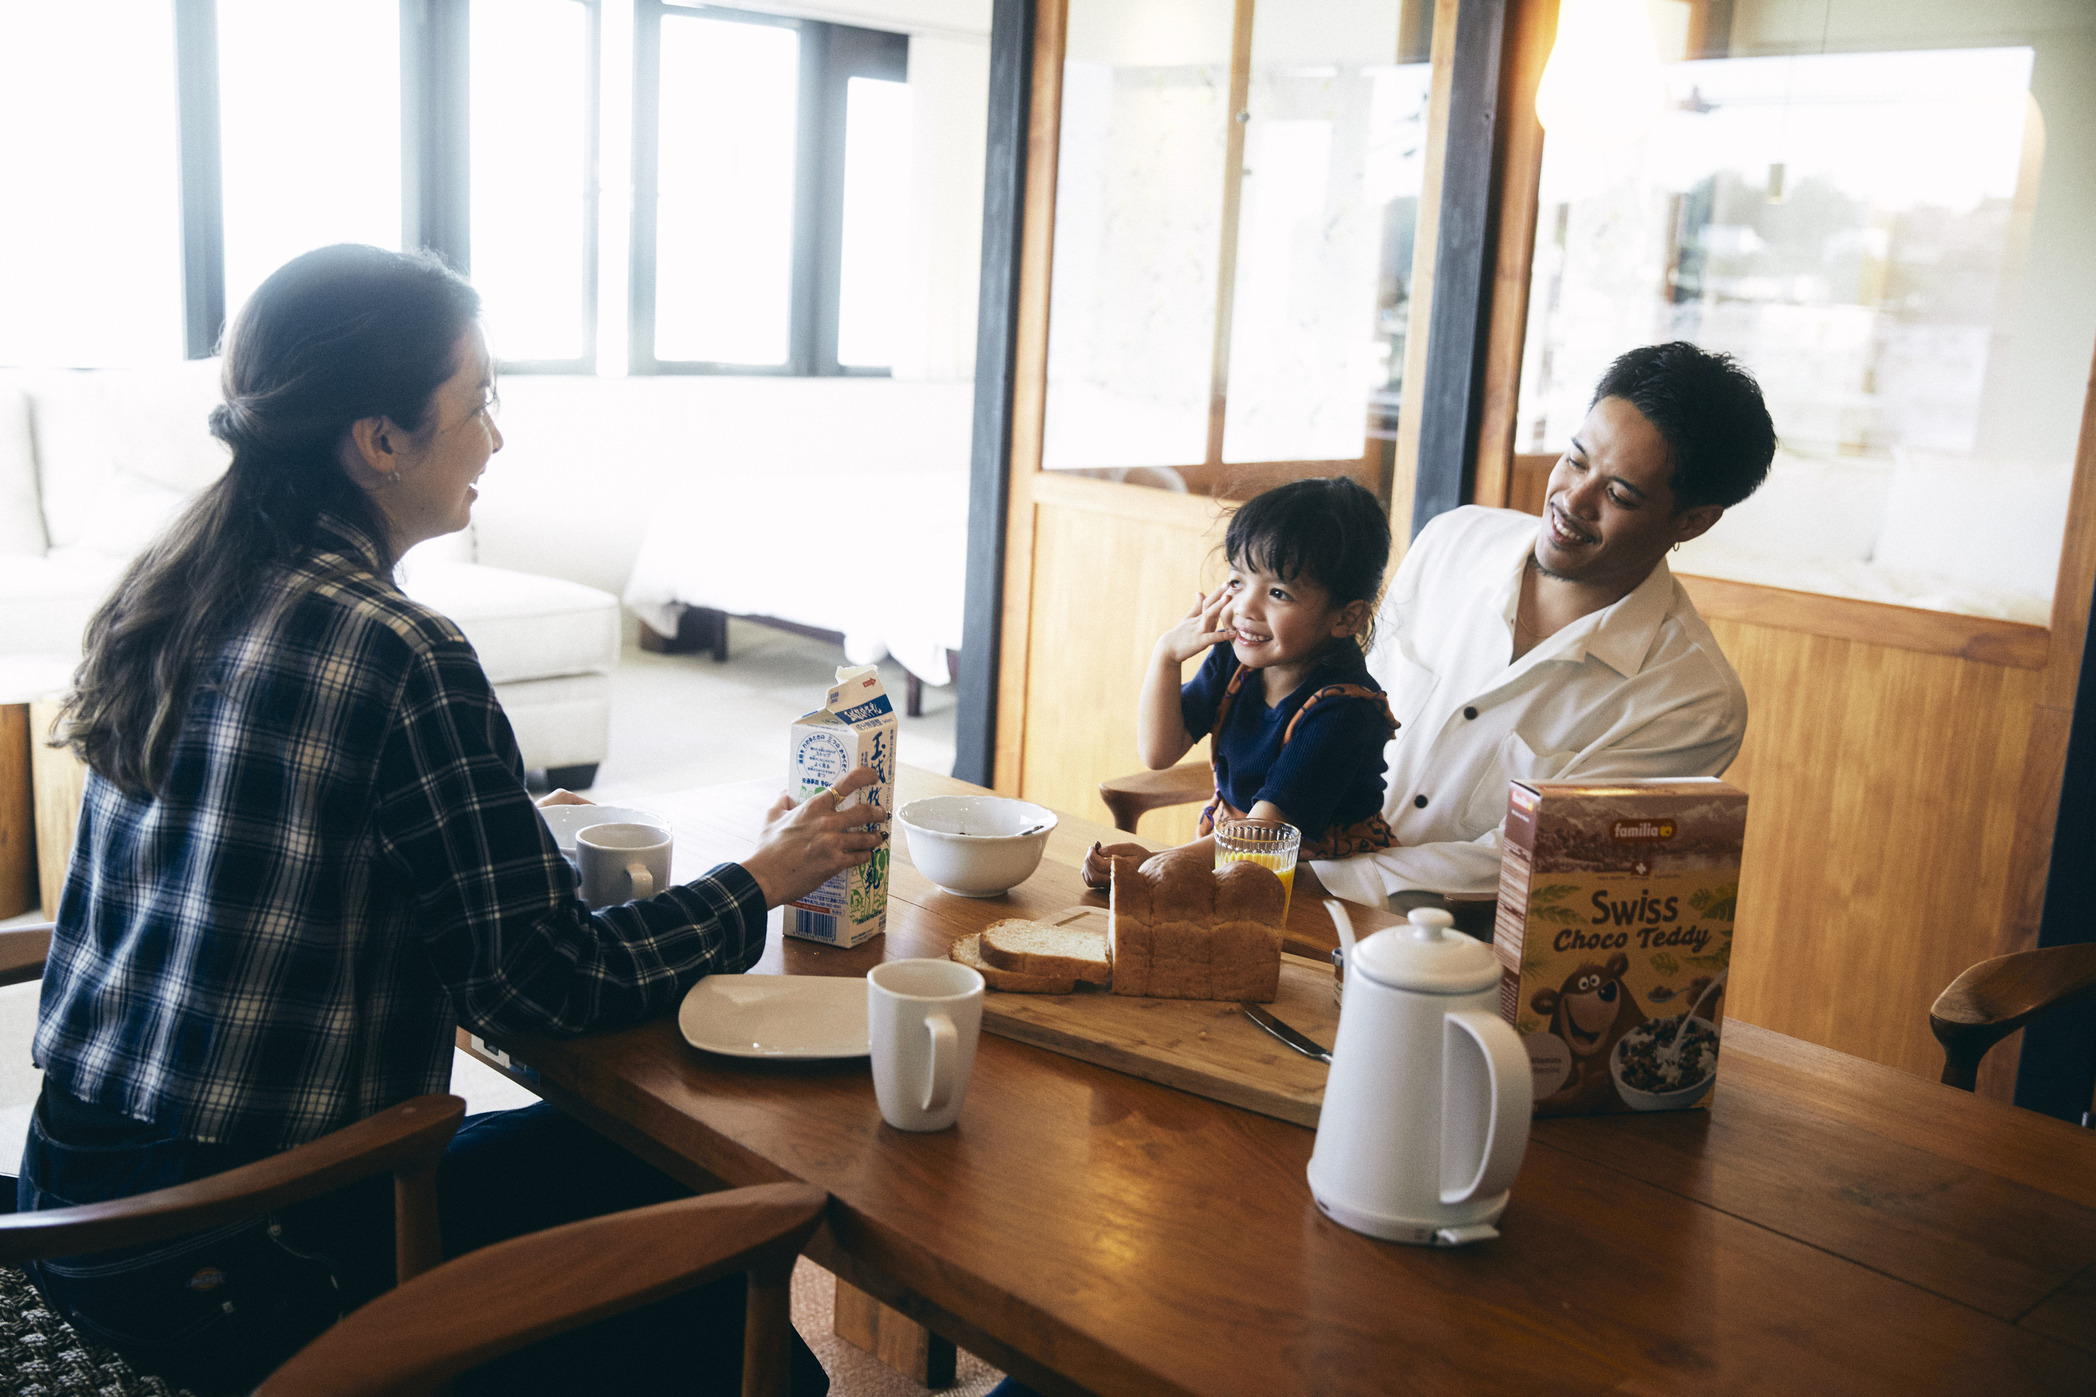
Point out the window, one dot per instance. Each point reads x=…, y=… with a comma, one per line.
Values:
x=1880, y=210
x=309, y=131
x=92, y=242
x=1236, y=190
x=771, y=169
x=532, y=177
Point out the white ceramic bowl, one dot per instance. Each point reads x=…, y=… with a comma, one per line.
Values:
x=566, y=821
x=976, y=846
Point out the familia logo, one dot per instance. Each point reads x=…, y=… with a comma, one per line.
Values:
x=1640, y=831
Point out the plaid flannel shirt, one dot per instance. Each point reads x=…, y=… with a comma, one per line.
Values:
x=342, y=865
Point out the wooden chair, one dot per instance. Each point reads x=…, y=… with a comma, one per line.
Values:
x=1135, y=795
x=490, y=1302
x=407, y=1140
x=1996, y=997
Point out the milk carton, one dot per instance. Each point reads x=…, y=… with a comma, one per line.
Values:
x=1614, y=936
x=854, y=727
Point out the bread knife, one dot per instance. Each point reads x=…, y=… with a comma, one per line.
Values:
x=1307, y=1047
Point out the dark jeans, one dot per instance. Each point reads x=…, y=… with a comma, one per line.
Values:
x=217, y=1311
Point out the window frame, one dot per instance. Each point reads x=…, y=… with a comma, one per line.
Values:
x=830, y=56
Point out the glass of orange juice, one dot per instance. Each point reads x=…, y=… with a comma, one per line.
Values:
x=1266, y=842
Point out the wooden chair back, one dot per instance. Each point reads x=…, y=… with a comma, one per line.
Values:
x=1131, y=797
x=500, y=1298
x=407, y=1140
x=1996, y=997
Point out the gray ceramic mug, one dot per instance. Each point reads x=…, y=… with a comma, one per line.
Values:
x=622, y=863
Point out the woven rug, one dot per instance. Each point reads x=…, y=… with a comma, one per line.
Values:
x=41, y=1356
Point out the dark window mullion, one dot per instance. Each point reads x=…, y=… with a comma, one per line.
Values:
x=647, y=146
x=203, y=207
x=435, y=139
x=812, y=343
x=592, y=178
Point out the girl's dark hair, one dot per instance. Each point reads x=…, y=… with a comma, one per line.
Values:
x=334, y=336
x=1332, y=531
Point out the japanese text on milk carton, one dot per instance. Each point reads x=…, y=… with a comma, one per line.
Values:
x=855, y=727
x=1614, y=935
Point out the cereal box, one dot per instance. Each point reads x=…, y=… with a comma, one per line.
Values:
x=855, y=726
x=1614, y=936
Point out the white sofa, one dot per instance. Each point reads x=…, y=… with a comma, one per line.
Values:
x=93, y=463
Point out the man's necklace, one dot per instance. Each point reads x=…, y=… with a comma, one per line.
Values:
x=1522, y=627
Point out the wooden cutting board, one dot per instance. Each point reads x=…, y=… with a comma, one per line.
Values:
x=1204, y=1046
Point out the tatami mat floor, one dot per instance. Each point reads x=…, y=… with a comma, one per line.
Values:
x=677, y=721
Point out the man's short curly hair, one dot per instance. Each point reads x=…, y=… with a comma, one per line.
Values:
x=1709, y=411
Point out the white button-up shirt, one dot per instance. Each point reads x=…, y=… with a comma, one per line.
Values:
x=1638, y=688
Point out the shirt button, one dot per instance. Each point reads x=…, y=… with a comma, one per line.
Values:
x=1419, y=801
x=1470, y=713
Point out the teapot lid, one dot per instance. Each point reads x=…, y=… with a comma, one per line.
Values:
x=1427, y=955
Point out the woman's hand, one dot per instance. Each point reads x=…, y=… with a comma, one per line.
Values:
x=804, y=846
x=1198, y=631
x=561, y=795
x=1098, y=862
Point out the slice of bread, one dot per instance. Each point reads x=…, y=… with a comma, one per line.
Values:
x=1035, y=948
x=968, y=951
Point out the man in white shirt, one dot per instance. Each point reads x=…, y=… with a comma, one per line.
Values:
x=1565, y=650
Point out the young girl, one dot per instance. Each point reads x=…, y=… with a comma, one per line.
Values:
x=1298, y=722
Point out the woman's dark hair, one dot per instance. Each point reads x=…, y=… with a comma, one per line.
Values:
x=1709, y=411
x=334, y=336
x=1332, y=531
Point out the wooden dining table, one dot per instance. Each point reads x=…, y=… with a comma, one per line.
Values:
x=1829, y=1224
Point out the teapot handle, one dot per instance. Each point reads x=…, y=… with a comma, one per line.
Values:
x=1482, y=1059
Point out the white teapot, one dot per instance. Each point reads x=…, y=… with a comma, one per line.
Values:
x=1426, y=1111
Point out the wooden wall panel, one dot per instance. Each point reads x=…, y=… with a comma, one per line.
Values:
x=1114, y=567
x=1885, y=788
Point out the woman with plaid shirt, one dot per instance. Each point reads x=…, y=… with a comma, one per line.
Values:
x=306, y=853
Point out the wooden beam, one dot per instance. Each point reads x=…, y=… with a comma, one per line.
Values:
x=893, y=1337
x=996, y=344
x=18, y=890
x=1426, y=244
x=2010, y=643
x=1450, y=398
x=1233, y=201
x=1531, y=30
x=2056, y=1072
x=60, y=780
x=1029, y=384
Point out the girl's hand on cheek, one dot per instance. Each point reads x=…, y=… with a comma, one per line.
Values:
x=1199, y=630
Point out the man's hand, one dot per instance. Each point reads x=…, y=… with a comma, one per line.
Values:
x=804, y=846
x=1098, y=862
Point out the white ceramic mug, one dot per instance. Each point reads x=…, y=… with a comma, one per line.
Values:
x=622, y=863
x=923, y=1018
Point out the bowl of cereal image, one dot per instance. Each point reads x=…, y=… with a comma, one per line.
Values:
x=1665, y=1064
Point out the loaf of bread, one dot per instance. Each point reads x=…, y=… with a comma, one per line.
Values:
x=1182, y=929
x=968, y=951
x=1035, y=948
